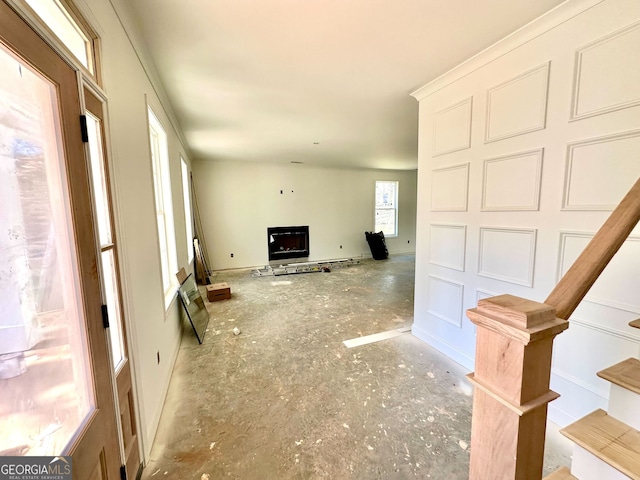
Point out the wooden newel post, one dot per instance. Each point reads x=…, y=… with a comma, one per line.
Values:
x=513, y=366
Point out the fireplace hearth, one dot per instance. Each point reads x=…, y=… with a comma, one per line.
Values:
x=288, y=242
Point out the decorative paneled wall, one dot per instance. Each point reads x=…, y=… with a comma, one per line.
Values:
x=518, y=106
x=607, y=76
x=450, y=188
x=601, y=170
x=524, y=151
x=445, y=300
x=447, y=245
x=452, y=128
x=617, y=286
x=507, y=254
x=512, y=182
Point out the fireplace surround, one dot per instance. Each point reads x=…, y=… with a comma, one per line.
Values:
x=288, y=242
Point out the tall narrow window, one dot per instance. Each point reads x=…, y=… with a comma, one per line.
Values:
x=112, y=296
x=107, y=246
x=188, y=217
x=387, y=208
x=164, y=210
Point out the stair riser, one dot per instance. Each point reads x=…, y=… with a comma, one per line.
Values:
x=587, y=466
x=624, y=405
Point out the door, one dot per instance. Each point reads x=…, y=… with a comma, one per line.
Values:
x=111, y=282
x=55, y=378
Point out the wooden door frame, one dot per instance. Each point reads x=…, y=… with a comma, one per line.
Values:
x=18, y=36
x=93, y=83
x=96, y=104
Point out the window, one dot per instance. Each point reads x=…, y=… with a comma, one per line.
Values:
x=387, y=208
x=107, y=247
x=45, y=371
x=164, y=210
x=68, y=28
x=188, y=218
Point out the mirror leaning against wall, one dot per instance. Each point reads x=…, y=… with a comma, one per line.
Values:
x=194, y=306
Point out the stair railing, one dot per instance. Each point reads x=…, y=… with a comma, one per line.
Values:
x=514, y=345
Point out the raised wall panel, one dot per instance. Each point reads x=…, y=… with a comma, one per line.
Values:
x=617, y=286
x=445, y=300
x=607, y=77
x=518, y=106
x=482, y=294
x=614, y=159
x=512, y=182
x=507, y=254
x=447, y=245
x=452, y=128
x=619, y=345
x=449, y=188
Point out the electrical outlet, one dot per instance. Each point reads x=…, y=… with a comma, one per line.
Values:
x=232, y=255
x=340, y=246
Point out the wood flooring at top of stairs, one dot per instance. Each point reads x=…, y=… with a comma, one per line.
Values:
x=562, y=473
x=608, y=439
x=635, y=323
x=625, y=374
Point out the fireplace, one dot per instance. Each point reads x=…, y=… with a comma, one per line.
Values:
x=288, y=242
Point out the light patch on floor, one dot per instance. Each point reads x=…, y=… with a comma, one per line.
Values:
x=280, y=282
x=376, y=337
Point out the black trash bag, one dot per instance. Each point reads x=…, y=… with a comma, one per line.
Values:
x=377, y=245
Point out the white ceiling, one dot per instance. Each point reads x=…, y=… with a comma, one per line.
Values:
x=265, y=80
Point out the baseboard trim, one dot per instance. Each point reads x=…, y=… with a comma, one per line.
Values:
x=152, y=427
x=443, y=347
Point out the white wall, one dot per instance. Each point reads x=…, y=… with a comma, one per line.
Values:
x=239, y=201
x=151, y=330
x=522, y=154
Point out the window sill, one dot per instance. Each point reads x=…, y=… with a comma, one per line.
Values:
x=170, y=299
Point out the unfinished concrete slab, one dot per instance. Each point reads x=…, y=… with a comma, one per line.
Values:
x=287, y=399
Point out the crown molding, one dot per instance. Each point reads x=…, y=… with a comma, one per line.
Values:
x=534, y=29
x=131, y=28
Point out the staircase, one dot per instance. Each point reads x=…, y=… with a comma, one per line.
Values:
x=607, y=445
x=514, y=344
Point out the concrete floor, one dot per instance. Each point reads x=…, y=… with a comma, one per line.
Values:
x=286, y=399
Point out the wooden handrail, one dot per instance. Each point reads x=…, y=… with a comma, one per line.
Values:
x=514, y=346
x=575, y=284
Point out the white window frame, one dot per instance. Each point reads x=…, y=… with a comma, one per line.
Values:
x=188, y=213
x=382, y=208
x=164, y=207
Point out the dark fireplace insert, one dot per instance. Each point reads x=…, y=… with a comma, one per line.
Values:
x=288, y=242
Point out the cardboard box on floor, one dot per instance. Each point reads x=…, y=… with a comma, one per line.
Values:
x=218, y=291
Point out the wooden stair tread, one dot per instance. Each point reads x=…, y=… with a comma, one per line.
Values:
x=562, y=473
x=635, y=323
x=608, y=439
x=626, y=374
